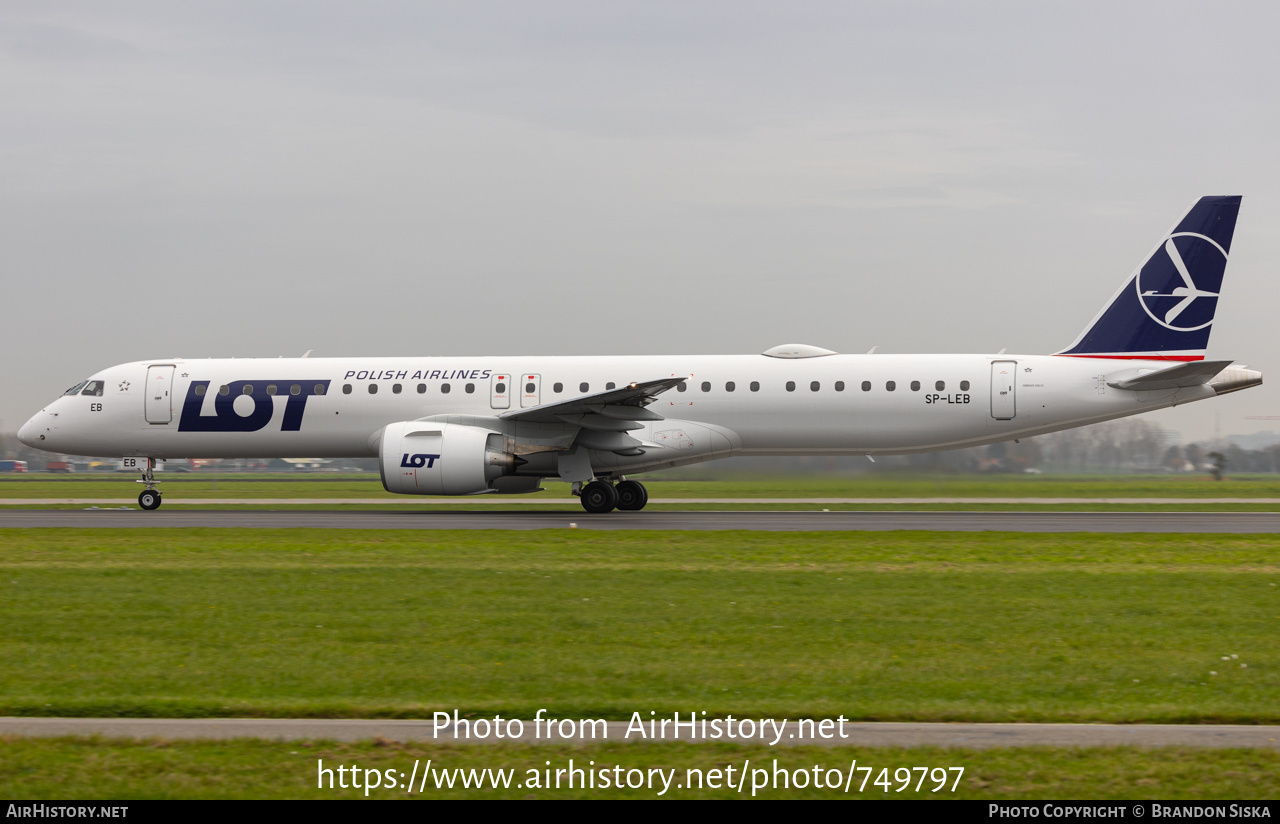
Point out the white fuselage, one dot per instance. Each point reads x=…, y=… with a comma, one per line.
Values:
x=335, y=407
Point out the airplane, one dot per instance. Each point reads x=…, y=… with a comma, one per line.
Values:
x=483, y=425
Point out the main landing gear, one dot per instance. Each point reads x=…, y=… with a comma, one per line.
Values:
x=602, y=496
x=149, y=498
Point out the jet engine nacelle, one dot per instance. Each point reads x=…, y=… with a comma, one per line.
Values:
x=432, y=458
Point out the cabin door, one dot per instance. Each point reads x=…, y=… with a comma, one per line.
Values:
x=1003, y=400
x=159, y=394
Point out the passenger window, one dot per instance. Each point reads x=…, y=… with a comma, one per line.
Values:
x=890, y=385
x=815, y=386
x=422, y=389
x=271, y=389
x=373, y=389
x=247, y=389
x=941, y=386
x=557, y=388
x=964, y=386
x=730, y=386
x=683, y=385
x=755, y=386
x=839, y=386
x=444, y=388
x=500, y=388
x=319, y=389
x=706, y=386
x=607, y=386
x=866, y=386
x=584, y=387
x=93, y=389
x=224, y=390
x=791, y=386
x=346, y=389
x=470, y=388
x=295, y=390
x=200, y=391
x=75, y=389
x=529, y=388
x=915, y=386
x=396, y=388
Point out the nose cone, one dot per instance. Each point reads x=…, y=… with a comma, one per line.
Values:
x=27, y=433
x=30, y=432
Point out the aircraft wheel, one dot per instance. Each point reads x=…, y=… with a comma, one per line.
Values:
x=632, y=496
x=149, y=499
x=599, y=496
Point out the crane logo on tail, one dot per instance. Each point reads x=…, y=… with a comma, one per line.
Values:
x=1186, y=307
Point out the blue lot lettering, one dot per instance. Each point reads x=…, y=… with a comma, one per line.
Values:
x=946, y=398
x=225, y=417
x=419, y=460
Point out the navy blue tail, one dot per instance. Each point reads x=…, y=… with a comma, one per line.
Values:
x=1165, y=309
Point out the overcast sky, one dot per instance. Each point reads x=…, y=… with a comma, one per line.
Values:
x=363, y=178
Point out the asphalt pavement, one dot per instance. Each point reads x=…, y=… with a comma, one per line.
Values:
x=787, y=521
x=791, y=733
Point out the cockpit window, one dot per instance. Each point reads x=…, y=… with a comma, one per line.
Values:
x=75, y=389
x=93, y=388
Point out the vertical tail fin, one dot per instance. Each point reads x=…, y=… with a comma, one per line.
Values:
x=1165, y=309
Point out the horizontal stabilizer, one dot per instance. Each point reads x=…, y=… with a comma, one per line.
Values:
x=1184, y=374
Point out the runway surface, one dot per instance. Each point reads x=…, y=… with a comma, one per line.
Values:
x=506, y=500
x=793, y=521
x=976, y=736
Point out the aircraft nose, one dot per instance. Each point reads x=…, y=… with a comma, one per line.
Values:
x=26, y=432
x=31, y=433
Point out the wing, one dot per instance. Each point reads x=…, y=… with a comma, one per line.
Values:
x=625, y=404
x=603, y=419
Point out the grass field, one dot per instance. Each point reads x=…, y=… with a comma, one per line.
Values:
x=889, y=626
x=99, y=769
x=366, y=486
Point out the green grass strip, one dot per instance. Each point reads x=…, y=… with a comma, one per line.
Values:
x=874, y=626
x=95, y=768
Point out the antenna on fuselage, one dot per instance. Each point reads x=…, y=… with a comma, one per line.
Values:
x=873, y=349
x=307, y=353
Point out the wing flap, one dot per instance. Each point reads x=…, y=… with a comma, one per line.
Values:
x=601, y=423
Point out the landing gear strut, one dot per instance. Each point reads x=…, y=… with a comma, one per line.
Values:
x=149, y=498
x=602, y=496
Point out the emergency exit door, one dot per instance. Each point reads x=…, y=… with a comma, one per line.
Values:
x=530, y=390
x=159, y=404
x=500, y=391
x=1004, y=375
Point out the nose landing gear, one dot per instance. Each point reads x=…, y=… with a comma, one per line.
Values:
x=601, y=496
x=149, y=498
